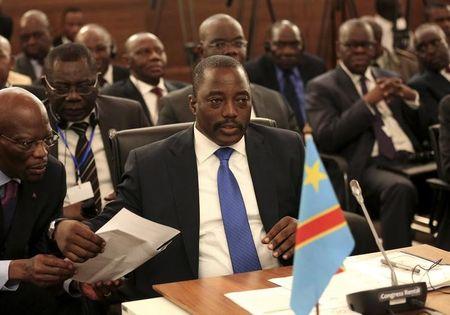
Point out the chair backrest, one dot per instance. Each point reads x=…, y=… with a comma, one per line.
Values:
x=433, y=132
x=124, y=141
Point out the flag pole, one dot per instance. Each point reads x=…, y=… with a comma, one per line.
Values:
x=317, y=308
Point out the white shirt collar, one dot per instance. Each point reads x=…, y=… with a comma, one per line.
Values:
x=108, y=75
x=204, y=147
x=144, y=87
x=6, y=179
x=356, y=77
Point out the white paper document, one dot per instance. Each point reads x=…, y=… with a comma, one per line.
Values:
x=130, y=241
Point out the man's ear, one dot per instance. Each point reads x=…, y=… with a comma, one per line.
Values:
x=193, y=104
x=199, y=50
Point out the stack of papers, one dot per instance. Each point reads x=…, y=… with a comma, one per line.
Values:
x=130, y=241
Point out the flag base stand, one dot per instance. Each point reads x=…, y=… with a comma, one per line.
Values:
x=386, y=300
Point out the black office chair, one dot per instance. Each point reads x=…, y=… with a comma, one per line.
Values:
x=124, y=141
x=440, y=187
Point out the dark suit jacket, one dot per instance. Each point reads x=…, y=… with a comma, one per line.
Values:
x=432, y=88
x=38, y=204
x=24, y=66
x=112, y=113
x=126, y=89
x=266, y=103
x=6, y=26
x=57, y=41
x=120, y=73
x=262, y=70
x=342, y=122
x=161, y=184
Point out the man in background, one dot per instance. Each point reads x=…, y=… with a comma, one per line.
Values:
x=439, y=13
x=286, y=67
x=98, y=40
x=72, y=21
x=35, y=43
x=146, y=84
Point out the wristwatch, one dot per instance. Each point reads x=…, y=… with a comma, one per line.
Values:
x=52, y=228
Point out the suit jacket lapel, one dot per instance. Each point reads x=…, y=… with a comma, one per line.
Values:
x=132, y=92
x=258, y=102
x=169, y=86
x=259, y=156
x=183, y=175
x=103, y=124
x=346, y=84
x=22, y=222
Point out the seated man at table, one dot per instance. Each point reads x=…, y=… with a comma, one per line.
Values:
x=188, y=181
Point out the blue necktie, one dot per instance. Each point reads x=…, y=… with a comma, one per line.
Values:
x=242, y=249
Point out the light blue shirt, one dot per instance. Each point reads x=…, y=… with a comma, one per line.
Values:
x=4, y=264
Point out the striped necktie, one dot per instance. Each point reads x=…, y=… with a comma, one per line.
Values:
x=88, y=171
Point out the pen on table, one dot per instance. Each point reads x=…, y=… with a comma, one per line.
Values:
x=400, y=266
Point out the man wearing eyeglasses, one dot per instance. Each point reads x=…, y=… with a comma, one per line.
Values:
x=363, y=114
x=35, y=42
x=221, y=34
x=83, y=120
x=32, y=190
x=146, y=84
x=433, y=84
x=286, y=67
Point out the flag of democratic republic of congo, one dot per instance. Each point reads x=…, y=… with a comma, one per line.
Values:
x=323, y=238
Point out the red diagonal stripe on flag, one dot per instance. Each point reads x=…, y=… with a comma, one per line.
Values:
x=319, y=225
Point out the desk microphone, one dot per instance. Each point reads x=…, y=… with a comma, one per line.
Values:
x=384, y=300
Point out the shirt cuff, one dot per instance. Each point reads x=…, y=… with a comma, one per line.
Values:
x=6, y=285
x=69, y=285
x=415, y=103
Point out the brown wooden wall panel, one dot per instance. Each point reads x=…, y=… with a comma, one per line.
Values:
x=125, y=17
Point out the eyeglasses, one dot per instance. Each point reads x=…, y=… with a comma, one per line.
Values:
x=221, y=44
x=356, y=44
x=29, y=145
x=82, y=88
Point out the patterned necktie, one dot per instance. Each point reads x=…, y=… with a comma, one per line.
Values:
x=385, y=145
x=9, y=202
x=241, y=246
x=88, y=171
x=296, y=102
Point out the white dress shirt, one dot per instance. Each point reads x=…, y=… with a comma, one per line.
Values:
x=98, y=149
x=214, y=257
x=4, y=264
x=108, y=76
x=150, y=98
x=390, y=125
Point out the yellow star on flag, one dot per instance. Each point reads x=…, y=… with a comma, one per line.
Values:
x=314, y=176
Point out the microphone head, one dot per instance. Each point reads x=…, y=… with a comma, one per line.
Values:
x=356, y=189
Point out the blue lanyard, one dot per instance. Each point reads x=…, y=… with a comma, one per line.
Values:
x=78, y=164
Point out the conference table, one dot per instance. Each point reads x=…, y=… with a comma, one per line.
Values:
x=206, y=296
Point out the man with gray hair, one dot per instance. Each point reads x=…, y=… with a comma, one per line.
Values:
x=98, y=40
x=35, y=42
x=433, y=83
x=361, y=113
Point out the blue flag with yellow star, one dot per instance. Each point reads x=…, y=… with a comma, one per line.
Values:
x=322, y=239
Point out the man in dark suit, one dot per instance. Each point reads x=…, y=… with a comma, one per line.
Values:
x=286, y=67
x=221, y=34
x=434, y=82
x=98, y=40
x=180, y=182
x=32, y=190
x=361, y=113
x=78, y=112
x=35, y=42
x=146, y=84
x=72, y=21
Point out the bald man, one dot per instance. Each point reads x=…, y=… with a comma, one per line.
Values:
x=147, y=61
x=433, y=84
x=32, y=190
x=35, y=43
x=285, y=66
x=221, y=34
x=362, y=114
x=98, y=40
